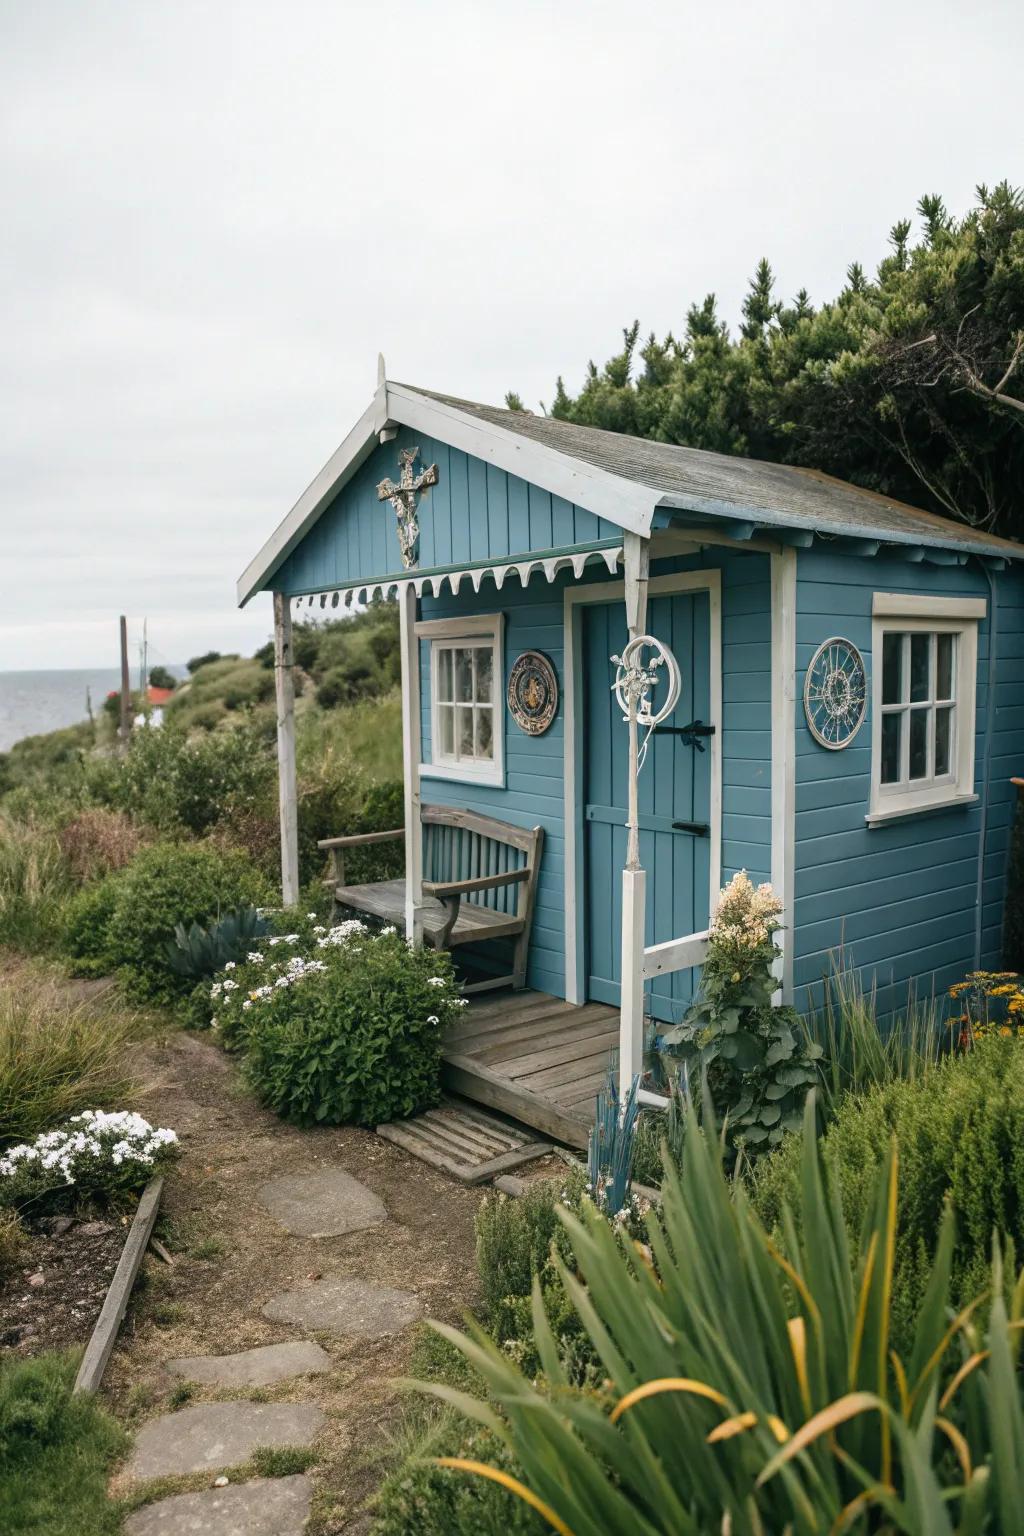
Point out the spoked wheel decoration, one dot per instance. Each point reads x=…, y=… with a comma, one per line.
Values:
x=835, y=693
x=637, y=677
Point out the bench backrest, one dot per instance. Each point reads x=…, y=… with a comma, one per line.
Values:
x=462, y=845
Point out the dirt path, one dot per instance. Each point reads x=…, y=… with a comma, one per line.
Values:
x=231, y=1257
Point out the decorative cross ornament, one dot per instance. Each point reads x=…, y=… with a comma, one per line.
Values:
x=403, y=498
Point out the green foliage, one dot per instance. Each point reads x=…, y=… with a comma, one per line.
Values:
x=191, y=667
x=56, y=1451
x=159, y=677
x=86, y=929
x=165, y=885
x=12, y=1241
x=351, y=1034
x=47, y=757
x=715, y=1356
x=200, y=951
x=174, y=781
x=33, y=881
x=58, y=1057
x=281, y=1460
x=95, y=1156
x=960, y=1133
x=908, y=383
x=757, y=1063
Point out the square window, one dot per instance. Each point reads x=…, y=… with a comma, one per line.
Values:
x=923, y=702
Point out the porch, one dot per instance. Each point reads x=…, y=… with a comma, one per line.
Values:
x=534, y=1057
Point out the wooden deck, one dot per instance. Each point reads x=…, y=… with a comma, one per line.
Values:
x=534, y=1057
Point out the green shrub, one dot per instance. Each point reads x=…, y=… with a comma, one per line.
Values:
x=172, y=780
x=86, y=937
x=419, y=1496
x=56, y=1452
x=57, y=1058
x=96, y=1155
x=166, y=885
x=960, y=1132
x=348, y=1032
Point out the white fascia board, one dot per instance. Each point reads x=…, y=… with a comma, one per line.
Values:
x=623, y=502
x=340, y=468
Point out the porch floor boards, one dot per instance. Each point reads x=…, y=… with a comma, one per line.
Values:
x=535, y=1057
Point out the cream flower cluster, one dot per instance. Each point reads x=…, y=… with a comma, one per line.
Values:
x=96, y=1135
x=746, y=915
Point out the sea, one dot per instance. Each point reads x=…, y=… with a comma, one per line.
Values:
x=34, y=702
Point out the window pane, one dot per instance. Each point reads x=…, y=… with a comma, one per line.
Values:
x=484, y=669
x=944, y=667
x=920, y=653
x=446, y=725
x=892, y=666
x=943, y=739
x=444, y=674
x=463, y=675
x=465, y=730
x=484, y=733
x=919, y=742
x=891, y=748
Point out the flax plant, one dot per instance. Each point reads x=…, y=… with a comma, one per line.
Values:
x=751, y=1388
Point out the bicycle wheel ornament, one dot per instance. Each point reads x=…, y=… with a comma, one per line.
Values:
x=835, y=693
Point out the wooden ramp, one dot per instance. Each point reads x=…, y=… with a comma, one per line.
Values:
x=534, y=1057
x=472, y=1146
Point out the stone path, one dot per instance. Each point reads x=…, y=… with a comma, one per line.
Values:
x=209, y=1436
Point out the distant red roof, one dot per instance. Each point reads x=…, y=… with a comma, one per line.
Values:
x=158, y=695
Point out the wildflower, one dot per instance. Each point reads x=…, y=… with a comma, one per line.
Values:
x=229, y=965
x=435, y=981
x=255, y=957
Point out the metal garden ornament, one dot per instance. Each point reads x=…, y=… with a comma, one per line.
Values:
x=636, y=678
x=835, y=693
x=403, y=497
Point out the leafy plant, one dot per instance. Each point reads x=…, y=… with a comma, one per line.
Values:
x=611, y=1146
x=86, y=936
x=960, y=1133
x=754, y=1057
x=56, y=1451
x=58, y=1057
x=202, y=951
x=350, y=1031
x=94, y=1154
x=749, y=1386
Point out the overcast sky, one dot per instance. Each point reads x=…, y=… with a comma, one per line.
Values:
x=215, y=215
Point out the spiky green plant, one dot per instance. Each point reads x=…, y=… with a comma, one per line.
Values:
x=200, y=951
x=751, y=1387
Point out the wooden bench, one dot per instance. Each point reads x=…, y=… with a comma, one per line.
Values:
x=482, y=885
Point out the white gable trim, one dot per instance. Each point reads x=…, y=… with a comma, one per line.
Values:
x=623, y=502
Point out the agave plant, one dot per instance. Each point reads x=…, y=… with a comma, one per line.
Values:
x=611, y=1145
x=750, y=1388
x=197, y=952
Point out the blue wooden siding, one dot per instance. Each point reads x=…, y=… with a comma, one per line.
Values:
x=475, y=514
x=902, y=897
x=534, y=788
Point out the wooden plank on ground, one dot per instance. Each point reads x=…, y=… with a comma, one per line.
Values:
x=448, y=1146
x=104, y=1335
x=473, y=1080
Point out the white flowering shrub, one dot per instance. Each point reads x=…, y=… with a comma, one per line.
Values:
x=757, y=1062
x=93, y=1155
x=338, y=1024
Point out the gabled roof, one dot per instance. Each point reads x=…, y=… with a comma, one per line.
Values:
x=631, y=481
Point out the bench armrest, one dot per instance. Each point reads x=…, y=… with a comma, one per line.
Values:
x=359, y=839
x=444, y=888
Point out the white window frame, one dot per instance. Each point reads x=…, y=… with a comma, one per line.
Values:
x=473, y=630
x=919, y=613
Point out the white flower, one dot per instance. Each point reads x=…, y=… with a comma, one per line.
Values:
x=311, y=915
x=231, y=986
x=229, y=965
x=436, y=981
x=433, y=1019
x=255, y=957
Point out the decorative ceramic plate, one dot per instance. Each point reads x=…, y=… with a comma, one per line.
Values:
x=835, y=693
x=533, y=692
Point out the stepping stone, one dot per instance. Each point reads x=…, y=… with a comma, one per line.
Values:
x=324, y=1204
x=344, y=1305
x=255, y=1367
x=276, y=1506
x=209, y=1436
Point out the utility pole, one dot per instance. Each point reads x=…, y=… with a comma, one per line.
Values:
x=126, y=687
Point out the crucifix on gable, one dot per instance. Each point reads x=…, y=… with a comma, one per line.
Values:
x=403, y=497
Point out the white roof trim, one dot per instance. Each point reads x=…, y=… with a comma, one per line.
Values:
x=623, y=502
x=435, y=583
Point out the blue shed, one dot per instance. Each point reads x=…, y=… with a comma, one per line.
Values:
x=816, y=684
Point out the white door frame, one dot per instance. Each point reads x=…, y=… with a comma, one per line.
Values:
x=576, y=596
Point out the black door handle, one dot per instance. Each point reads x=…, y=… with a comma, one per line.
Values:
x=691, y=733
x=698, y=828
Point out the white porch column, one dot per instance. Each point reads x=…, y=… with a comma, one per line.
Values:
x=636, y=556
x=284, y=686
x=410, y=657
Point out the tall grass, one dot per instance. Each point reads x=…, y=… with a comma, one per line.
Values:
x=858, y=1053
x=58, y=1057
x=369, y=734
x=33, y=883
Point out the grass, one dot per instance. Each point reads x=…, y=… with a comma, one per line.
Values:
x=368, y=733
x=56, y=1452
x=33, y=884
x=12, y=1240
x=281, y=1460
x=58, y=1057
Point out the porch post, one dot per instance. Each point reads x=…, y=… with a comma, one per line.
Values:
x=287, y=802
x=636, y=555
x=410, y=657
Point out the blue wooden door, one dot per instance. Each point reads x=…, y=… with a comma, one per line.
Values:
x=674, y=788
